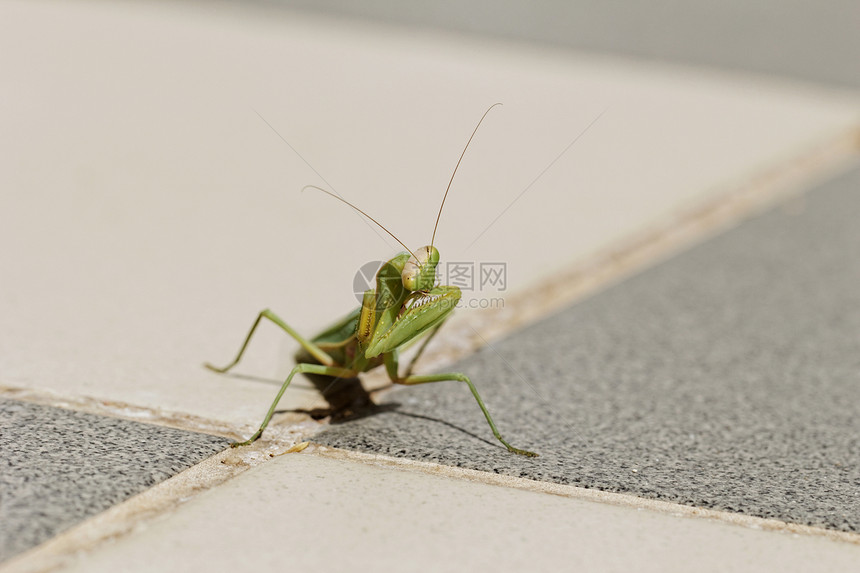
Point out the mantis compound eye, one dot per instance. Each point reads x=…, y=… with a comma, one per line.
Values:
x=419, y=272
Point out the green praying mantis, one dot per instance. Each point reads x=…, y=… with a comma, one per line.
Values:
x=405, y=306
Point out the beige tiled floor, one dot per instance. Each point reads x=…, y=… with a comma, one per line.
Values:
x=147, y=213
x=306, y=512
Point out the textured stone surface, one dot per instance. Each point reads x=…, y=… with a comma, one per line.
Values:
x=59, y=467
x=727, y=378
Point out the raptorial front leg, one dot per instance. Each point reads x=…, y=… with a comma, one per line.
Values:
x=312, y=348
x=332, y=371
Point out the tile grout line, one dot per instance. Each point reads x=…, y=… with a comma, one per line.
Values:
x=121, y=410
x=581, y=493
x=723, y=208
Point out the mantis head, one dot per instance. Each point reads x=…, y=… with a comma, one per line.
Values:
x=419, y=272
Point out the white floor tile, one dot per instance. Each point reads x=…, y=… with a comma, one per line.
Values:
x=303, y=512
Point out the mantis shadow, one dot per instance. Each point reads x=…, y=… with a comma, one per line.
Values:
x=373, y=409
x=444, y=423
x=349, y=401
x=347, y=398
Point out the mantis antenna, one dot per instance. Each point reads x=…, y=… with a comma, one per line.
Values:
x=433, y=239
x=381, y=226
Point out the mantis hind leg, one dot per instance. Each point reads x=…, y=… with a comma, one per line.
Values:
x=312, y=348
x=304, y=368
x=411, y=380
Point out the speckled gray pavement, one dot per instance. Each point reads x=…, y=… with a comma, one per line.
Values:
x=726, y=378
x=59, y=467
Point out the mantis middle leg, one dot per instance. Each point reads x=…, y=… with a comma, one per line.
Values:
x=333, y=371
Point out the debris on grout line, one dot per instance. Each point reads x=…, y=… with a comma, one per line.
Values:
x=301, y=446
x=276, y=441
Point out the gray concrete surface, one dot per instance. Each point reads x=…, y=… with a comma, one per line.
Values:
x=816, y=41
x=727, y=378
x=59, y=467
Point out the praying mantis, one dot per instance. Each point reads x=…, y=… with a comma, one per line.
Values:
x=405, y=305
